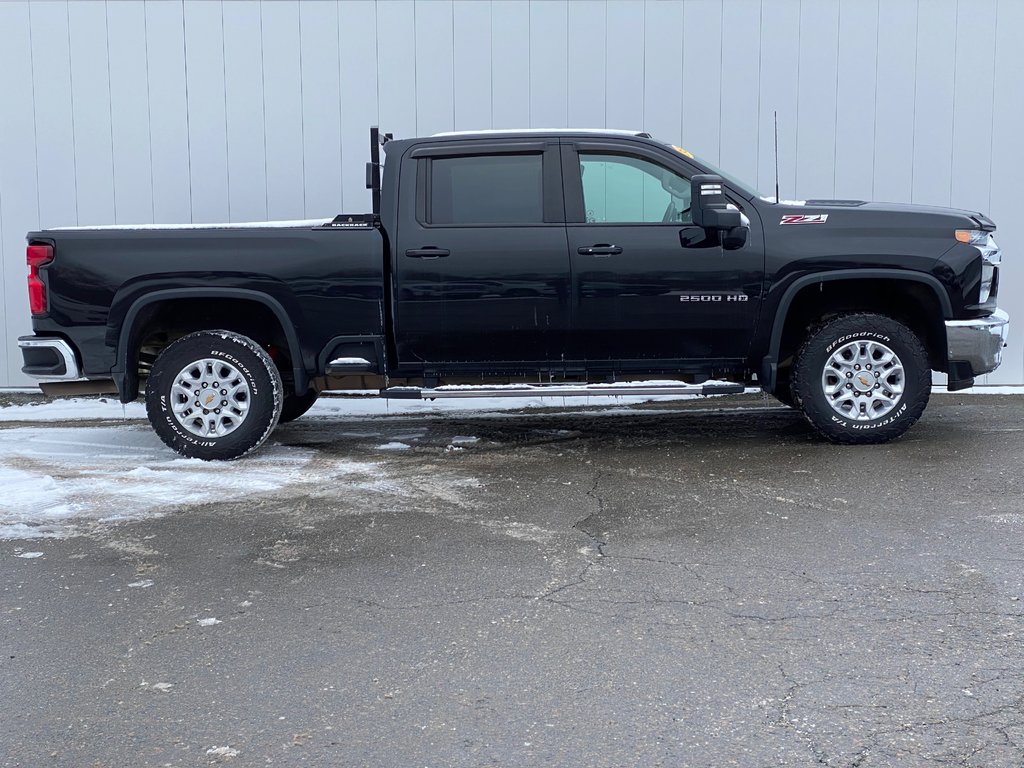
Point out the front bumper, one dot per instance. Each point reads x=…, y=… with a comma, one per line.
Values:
x=48, y=359
x=979, y=342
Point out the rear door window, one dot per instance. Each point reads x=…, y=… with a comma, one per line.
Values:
x=487, y=189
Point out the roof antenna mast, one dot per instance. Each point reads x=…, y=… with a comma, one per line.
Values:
x=777, y=198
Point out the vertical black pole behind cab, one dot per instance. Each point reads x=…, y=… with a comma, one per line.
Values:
x=377, y=140
x=373, y=170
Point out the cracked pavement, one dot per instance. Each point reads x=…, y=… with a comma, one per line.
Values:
x=680, y=584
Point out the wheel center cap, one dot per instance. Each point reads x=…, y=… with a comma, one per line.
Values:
x=863, y=381
x=207, y=397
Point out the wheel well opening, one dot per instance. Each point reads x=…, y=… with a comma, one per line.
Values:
x=911, y=303
x=161, y=323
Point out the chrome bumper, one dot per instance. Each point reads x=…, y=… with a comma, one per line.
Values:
x=978, y=342
x=48, y=359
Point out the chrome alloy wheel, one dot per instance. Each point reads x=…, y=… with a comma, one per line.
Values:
x=863, y=380
x=210, y=398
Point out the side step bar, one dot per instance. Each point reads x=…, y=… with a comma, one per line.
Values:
x=560, y=390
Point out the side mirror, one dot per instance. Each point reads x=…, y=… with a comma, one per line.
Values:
x=709, y=206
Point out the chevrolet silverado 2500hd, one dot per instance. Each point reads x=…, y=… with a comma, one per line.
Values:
x=557, y=261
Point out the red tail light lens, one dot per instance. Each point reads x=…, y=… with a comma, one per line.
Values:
x=37, y=256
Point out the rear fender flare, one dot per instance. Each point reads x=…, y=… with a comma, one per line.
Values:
x=126, y=377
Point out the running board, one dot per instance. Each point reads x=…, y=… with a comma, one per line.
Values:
x=560, y=390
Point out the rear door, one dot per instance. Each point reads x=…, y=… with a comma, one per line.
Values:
x=650, y=288
x=481, y=262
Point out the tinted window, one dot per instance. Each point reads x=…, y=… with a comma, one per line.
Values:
x=623, y=189
x=487, y=189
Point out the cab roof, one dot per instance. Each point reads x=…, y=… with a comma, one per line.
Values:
x=543, y=132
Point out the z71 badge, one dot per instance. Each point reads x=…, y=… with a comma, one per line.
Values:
x=804, y=218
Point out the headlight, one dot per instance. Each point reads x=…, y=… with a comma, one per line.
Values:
x=990, y=254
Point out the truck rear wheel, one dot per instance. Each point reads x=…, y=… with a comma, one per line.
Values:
x=214, y=395
x=862, y=378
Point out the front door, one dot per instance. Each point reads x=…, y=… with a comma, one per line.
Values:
x=648, y=285
x=481, y=262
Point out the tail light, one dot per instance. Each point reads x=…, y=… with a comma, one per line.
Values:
x=37, y=256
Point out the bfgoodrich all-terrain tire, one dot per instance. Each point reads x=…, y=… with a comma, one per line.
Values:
x=214, y=395
x=862, y=378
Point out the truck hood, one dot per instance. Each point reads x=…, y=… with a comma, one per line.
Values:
x=915, y=215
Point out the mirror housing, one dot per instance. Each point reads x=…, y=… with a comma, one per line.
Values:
x=735, y=238
x=709, y=206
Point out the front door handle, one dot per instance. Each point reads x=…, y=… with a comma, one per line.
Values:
x=430, y=252
x=601, y=249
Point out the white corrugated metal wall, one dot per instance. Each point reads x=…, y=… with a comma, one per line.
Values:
x=201, y=111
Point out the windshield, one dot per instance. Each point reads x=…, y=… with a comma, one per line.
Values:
x=743, y=186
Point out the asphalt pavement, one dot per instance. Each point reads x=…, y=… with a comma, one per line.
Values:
x=698, y=584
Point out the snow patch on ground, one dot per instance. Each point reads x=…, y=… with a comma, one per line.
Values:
x=57, y=480
x=394, y=446
x=73, y=409
x=982, y=390
x=222, y=752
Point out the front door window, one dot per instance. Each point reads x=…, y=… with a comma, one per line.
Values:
x=619, y=189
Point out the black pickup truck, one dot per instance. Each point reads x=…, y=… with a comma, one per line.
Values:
x=557, y=262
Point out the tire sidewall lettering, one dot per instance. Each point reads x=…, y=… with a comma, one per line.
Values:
x=240, y=366
x=870, y=425
x=856, y=337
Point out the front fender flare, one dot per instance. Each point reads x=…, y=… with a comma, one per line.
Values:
x=769, y=364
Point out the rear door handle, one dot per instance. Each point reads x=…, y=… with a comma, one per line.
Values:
x=427, y=253
x=601, y=249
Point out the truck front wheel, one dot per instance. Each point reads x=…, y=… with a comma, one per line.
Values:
x=862, y=378
x=214, y=395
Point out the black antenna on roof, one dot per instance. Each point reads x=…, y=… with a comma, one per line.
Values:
x=777, y=198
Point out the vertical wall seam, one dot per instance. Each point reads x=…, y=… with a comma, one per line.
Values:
x=227, y=135
x=454, y=94
x=110, y=108
x=302, y=114
x=376, y=56
x=796, y=120
x=682, y=71
x=874, y=98
x=149, y=113
x=415, y=74
x=913, y=119
x=992, y=133
x=835, y=114
x=188, y=126
x=605, y=84
x=71, y=85
x=760, y=54
x=341, y=111
x=263, y=104
x=643, y=70
x=721, y=69
x=35, y=130
x=490, y=57
x=952, y=127
x=529, y=64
